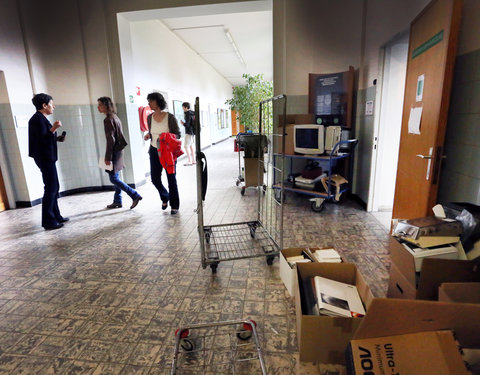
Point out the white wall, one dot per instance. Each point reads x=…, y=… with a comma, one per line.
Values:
x=163, y=61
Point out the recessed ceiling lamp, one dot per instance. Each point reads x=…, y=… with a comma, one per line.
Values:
x=232, y=42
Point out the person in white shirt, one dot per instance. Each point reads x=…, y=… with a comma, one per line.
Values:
x=161, y=121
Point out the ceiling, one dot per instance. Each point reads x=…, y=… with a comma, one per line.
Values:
x=204, y=30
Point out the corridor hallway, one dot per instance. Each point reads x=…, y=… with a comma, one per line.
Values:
x=105, y=293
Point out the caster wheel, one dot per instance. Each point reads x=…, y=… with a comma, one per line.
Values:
x=252, y=233
x=238, y=182
x=246, y=332
x=214, y=267
x=264, y=189
x=279, y=197
x=242, y=191
x=207, y=237
x=187, y=345
x=316, y=208
x=270, y=260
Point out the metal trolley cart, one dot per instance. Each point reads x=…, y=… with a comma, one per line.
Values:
x=252, y=145
x=257, y=238
x=334, y=185
x=230, y=347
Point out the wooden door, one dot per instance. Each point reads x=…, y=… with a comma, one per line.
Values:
x=234, y=122
x=3, y=194
x=432, y=50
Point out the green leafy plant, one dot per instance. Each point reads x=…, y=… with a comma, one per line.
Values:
x=246, y=99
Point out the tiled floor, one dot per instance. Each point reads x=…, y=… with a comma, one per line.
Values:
x=104, y=294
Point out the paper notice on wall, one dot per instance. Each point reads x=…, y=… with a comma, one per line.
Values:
x=414, y=120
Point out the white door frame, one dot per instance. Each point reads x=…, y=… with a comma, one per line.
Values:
x=373, y=201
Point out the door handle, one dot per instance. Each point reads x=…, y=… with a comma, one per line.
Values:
x=424, y=156
x=429, y=158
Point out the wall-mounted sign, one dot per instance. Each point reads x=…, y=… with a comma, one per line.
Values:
x=131, y=99
x=369, y=108
x=420, y=84
x=137, y=89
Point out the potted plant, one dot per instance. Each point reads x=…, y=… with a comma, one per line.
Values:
x=247, y=98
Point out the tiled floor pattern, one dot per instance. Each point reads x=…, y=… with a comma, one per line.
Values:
x=104, y=294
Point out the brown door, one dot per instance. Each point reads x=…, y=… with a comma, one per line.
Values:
x=3, y=194
x=234, y=122
x=432, y=50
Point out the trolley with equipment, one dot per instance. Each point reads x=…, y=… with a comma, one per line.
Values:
x=252, y=145
x=261, y=237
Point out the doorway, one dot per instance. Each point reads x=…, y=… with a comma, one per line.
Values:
x=388, y=127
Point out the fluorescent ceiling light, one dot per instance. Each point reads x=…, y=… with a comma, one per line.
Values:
x=232, y=42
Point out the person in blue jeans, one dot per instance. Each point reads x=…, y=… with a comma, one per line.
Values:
x=114, y=153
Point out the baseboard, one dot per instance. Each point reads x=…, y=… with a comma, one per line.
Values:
x=87, y=189
x=357, y=199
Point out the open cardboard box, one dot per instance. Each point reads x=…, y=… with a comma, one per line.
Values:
x=404, y=281
x=324, y=338
x=399, y=354
x=290, y=121
x=289, y=274
x=390, y=317
x=459, y=292
x=253, y=171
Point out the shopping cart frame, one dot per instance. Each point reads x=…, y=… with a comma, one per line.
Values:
x=239, y=343
x=262, y=237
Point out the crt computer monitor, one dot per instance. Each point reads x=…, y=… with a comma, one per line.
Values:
x=309, y=139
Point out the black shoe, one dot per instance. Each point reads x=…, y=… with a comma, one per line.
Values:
x=53, y=226
x=174, y=211
x=115, y=205
x=63, y=219
x=164, y=205
x=135, y=202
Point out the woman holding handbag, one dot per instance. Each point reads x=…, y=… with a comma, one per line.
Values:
x=114, y=152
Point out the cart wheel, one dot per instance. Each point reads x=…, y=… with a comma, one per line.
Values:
x=214, y=266
x=237, y=182
x=279, y=197
x=246, y=331
x=243, y=190
x=252, y=232
x=316, y=208
x=264, y=189
x=187, y=345
x=207, y=237
x=270, y=260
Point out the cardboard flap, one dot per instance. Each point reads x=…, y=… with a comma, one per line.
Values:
x=389, y=317
x=437, y=271
x=343, y=272
x=459, y=292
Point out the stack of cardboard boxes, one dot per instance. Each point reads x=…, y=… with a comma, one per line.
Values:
x=392, y=330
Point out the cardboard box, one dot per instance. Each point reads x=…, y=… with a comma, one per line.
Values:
x=390, y=317
x=405, y=282
x=399, y=354
x=289, y=274
x=301, y=118
x=324, y=338
x=399, y=286
x=459, y=292
x=253, y=171
x=290, y=121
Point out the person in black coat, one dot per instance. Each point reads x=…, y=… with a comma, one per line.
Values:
x=42, y=147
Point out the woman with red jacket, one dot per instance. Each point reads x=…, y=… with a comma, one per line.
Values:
x=161, y=121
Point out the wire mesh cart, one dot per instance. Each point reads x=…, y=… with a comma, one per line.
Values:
x=261, y=237
x=253, y=148
x=230, y=347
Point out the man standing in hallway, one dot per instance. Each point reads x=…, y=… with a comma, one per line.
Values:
x=189, y=124
x=42, y=147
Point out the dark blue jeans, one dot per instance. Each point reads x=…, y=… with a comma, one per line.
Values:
x=156, y=170
x=119, y=186
x=50, y=212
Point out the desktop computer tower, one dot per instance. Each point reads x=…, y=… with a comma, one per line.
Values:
x=332, y=137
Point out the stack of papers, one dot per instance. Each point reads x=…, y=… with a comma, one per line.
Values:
x=327, y=256
x=297, y=259
x=334, y=298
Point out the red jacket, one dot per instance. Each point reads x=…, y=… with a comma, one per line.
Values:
x=170, y=149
